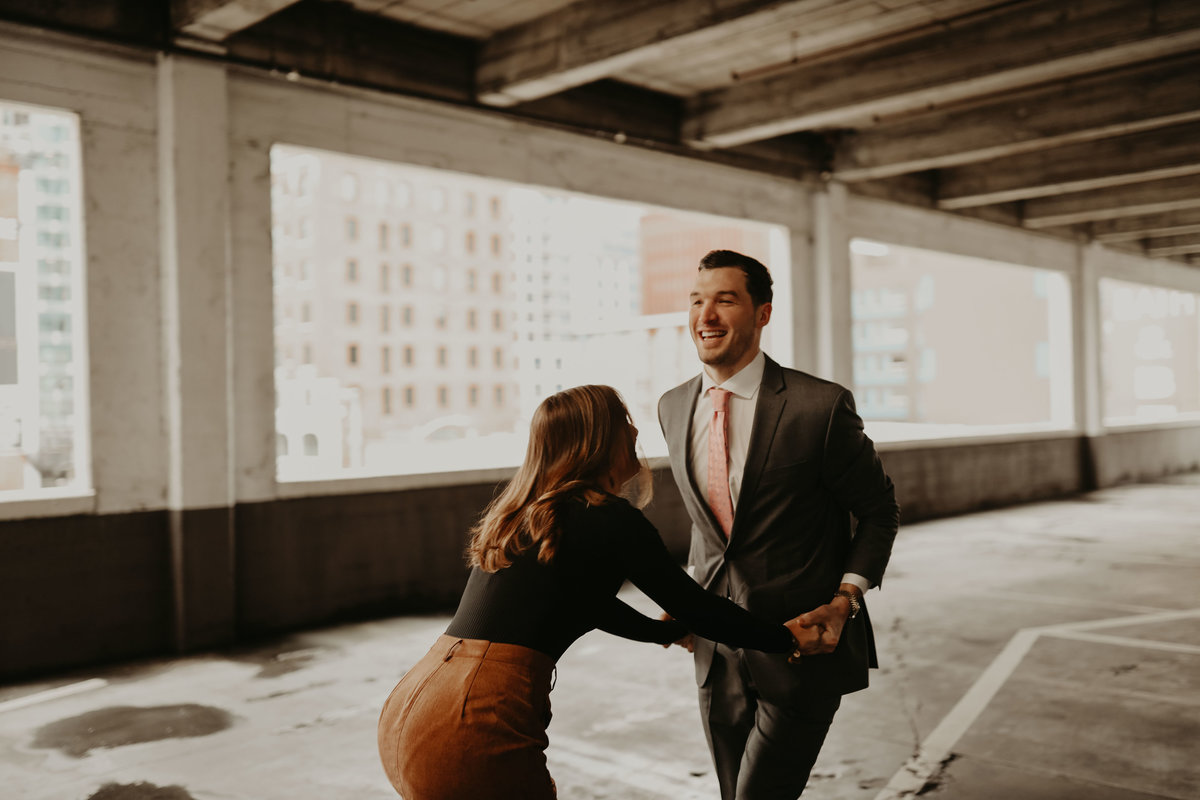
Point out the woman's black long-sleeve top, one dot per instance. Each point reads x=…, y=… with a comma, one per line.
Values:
x=548, y=606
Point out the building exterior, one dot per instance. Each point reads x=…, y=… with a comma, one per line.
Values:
x=924, y=345
x=43, y=366
x=396, y=283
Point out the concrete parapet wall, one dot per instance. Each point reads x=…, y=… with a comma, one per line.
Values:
x=94, y=588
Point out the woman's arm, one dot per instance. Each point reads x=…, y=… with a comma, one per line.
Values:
x=620, y=619
x=652, y=570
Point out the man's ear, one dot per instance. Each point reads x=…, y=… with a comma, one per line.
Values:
x=763, y=313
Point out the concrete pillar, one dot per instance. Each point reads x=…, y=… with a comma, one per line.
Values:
x=1085, y=317
x=830, y=301
x=194, y=220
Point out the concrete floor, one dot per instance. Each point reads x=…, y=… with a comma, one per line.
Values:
x=1045, y=651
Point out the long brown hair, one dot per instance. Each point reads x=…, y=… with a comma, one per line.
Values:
x=576, y=438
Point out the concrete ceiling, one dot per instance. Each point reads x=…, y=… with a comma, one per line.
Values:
x=1077, y=117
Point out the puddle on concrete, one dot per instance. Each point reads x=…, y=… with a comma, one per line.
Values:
x=121, y=725
x=140, y=791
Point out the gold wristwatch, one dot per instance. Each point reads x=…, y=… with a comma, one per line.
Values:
x=852, y=598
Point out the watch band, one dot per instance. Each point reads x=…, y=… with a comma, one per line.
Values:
x=852, y=598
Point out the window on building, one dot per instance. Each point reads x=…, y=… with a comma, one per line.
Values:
x=385, y=400
x=351, y=229
x=406, y=276
x=349, y=187
x=441, y=356
x=351, y=270
x=352, y=313
x=472, y=356
x=406, y=235
x=443, y=396
x=311, y=446
x=385, y=318
x=408, y=355
x=406, y=316
x=352, y=355
x=472, y=280
x=44, y=436
x=385, y=359
x=1150, y=353
x=409, y=397
x=497, y=244
x=385, y=278
x=472, y=319
x=473, y=395
x=469, y=242
x=383, y=236
x=931, y=360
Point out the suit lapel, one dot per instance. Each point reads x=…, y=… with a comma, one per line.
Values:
x=679, y=447
x=767, y=411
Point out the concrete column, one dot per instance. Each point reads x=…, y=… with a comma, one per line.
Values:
x=793, y=338
x=830, y=301
x=194, y=220
x=1085, y=318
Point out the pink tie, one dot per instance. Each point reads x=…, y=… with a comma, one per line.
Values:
x=718, y=461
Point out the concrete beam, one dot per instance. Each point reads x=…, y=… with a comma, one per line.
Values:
x=1086, y=109
x=587, y=41
x=1021, y=46
x=1165, y=246
x=217, y=20
x=1128, y=229
x=1150, y=155
x=1136, y=199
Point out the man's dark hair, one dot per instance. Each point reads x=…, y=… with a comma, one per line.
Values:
x=758, y=279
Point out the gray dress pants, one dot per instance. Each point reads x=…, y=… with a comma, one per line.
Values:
x=762, y=750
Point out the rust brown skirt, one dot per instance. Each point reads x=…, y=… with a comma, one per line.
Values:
x=469, y=721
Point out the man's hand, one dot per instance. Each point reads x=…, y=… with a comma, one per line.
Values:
x=688, y=642
x=826, y=622
x=808, y=637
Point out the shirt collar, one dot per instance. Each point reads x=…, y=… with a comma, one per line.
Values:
x=744, y=383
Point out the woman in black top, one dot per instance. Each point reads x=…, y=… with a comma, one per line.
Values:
x=548, y=556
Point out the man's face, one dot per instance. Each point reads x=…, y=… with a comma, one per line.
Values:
x=725, y=325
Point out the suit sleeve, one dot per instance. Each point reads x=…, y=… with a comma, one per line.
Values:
x=854, y=475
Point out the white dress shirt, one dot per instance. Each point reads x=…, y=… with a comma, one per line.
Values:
x=743, y=388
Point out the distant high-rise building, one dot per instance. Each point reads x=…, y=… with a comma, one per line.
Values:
x=672, y=245
x=41, y=366
x=396, y=282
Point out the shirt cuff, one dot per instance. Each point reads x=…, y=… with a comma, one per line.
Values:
x=858, y=580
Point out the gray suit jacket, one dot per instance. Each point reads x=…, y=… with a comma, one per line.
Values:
x=809, y=470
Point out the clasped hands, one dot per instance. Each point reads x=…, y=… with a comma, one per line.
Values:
x=815, y=632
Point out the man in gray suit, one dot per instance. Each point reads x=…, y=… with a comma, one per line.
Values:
x=773, y=465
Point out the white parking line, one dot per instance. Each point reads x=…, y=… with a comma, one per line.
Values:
x=1127, y=641
x=936, y=747
x=52, y=694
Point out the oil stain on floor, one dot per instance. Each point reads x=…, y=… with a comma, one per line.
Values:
x=140, y=791
x=121, y=725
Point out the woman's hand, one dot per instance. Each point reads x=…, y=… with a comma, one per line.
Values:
x=688, y=642
x=807, y=636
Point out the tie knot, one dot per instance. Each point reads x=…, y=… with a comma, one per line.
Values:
x=720, y=399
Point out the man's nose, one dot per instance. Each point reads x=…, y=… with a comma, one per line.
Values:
x=708, y=311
